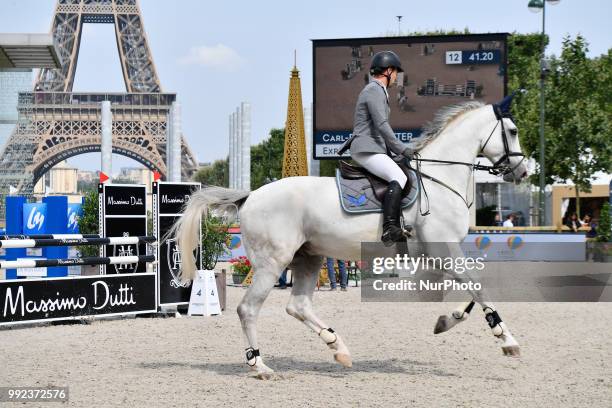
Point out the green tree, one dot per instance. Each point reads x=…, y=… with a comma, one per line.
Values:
x=524, y=73
x=452, y=31
x=328, y=168
x=216, y=174
x=524, y=60
x=267, y=159
x=85, y=187
x=88, y=221
x=604, y=228
x=577, y=110
x=578, y=117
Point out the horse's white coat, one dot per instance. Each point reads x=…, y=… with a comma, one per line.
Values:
x=297, y=221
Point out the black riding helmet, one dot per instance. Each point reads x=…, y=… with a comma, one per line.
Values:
x=383, y=60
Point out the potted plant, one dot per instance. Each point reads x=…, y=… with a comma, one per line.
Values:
x=88, y=224
x=241, y=267
x=214, y=235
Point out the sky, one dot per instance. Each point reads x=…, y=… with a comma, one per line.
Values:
x=215, y=55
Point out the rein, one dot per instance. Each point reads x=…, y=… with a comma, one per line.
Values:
x=420, y=175
x=496, y=169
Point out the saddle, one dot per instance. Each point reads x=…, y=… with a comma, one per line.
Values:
x=379, y=186
x=362, y=192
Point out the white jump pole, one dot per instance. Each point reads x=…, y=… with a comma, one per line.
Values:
x=36, y=243
x=49, y=236
x=41, y=263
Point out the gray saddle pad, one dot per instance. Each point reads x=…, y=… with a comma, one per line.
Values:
x=357, y=197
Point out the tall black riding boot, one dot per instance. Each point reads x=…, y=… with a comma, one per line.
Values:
x=392, y=230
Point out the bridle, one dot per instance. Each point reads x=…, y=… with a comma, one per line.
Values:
x=501, y=167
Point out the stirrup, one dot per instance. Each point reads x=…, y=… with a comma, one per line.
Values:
x=406, y=229
x=393, y=235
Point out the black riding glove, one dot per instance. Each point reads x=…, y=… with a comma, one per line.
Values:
x=407, y=153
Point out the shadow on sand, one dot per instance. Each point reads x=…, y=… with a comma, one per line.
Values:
x=290, y=365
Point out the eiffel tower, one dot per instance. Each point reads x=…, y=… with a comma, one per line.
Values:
x=55, y=123
x=295, y=162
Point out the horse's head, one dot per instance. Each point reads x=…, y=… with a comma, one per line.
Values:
x=502, y=145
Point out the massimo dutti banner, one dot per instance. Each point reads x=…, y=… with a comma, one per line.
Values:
x=34, y=300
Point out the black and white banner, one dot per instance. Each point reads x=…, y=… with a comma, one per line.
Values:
x=123, y=213
x=168, y=202
x=124, y=199
x=33, y=300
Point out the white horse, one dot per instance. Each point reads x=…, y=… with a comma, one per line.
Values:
x=297, y=221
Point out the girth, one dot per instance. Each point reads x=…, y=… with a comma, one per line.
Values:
x=379, y=186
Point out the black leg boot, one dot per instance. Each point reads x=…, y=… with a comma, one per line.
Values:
x=392, y=230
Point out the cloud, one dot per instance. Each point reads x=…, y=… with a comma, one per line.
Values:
x=217, y=56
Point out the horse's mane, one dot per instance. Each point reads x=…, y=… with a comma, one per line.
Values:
x=443, y=117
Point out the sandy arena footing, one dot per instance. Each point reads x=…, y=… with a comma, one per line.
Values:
x=397, y=361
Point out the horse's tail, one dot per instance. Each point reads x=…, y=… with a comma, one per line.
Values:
x=187, y=228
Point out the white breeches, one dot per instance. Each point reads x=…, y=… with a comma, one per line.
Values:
x=382, y=166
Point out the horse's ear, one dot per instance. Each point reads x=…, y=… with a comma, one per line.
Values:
x=502, y=108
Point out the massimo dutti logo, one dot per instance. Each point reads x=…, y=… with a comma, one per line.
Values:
x=165, y=199
x=110, y=200
x=103, y=297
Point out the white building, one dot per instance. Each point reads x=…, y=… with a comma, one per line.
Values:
x=12, y=81
x=240, y=148
x=313, y=165
x=61, y=179
x=136, y=175
x=88, y=176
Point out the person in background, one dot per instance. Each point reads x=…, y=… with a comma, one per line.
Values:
x=497, y=222
x=509, y=220
x=591, y=225
x=282, y=280
x=573, y=223
x=331, y=273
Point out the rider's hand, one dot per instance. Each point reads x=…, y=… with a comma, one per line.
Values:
x=407, y=153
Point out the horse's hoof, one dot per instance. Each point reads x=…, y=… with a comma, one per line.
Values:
x=344, y=359
x=511, y=351
x=441, y=325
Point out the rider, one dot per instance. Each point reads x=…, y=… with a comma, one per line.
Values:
x=373, y=140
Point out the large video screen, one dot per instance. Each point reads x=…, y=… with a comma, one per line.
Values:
x=438, y=71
